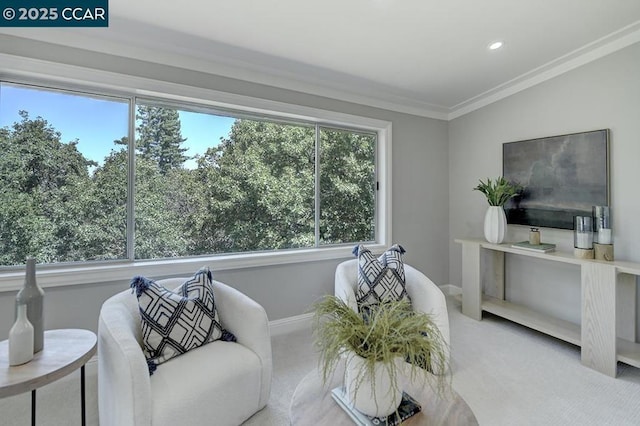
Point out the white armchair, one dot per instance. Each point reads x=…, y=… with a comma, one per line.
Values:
x=220, y=383
x=425, y=295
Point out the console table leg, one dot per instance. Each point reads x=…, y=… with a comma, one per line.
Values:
x=471, y=285
x=598, y=328
x=492, y=273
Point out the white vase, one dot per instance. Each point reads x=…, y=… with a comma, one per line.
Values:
x=378, y=398
x=495, y=224
x=21, y=338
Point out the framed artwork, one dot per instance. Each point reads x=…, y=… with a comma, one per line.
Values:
x=562, y=176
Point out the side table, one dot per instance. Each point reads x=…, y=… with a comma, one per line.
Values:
x=64, y=352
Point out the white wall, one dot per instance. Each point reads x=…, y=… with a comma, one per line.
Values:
x=601, y=94
x=419, y=193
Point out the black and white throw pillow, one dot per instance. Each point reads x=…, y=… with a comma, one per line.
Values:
x=173, y=322
x=380, y=279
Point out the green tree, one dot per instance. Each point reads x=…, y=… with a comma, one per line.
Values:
x=40, y=177
x=259, y=188
x=159, y=137
x=347, y=186
x=104, y=237
x=159, y=226
x=255, y=190
x=162, y=209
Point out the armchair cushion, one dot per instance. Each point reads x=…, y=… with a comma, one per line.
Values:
x=174, y=322
x=380, y=279
x=220, y=376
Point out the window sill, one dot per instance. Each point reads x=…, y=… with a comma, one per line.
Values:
x=68, y=275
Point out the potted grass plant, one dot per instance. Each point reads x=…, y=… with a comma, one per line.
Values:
x=497, y=192
x=377, y=346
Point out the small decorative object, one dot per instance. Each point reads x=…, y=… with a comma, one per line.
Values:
x=408, y=407
x=32, y=296
x=603, y=234
x=375, y=344
x=603, y=252
x=21, y=338
x=534, y=237
x=497, y=193
x=583, y=237
x=602, y=224
x=540, y=247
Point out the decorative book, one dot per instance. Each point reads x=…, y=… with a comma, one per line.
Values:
x=542, y=247
x=408, y=407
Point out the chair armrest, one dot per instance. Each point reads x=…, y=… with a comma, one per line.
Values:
x=428, y=298
x=346, y=272
x=248, y=321
x=123, y=376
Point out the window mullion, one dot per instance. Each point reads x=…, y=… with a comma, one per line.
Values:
x=131, y=181
x=317, y=187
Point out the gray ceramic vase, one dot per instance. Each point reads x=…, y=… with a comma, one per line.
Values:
x=32, y=296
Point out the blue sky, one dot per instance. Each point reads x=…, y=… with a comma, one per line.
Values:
x=97, y=122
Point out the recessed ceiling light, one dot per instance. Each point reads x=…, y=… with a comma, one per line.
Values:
x=495, y=45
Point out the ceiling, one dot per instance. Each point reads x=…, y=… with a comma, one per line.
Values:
x=427, y=57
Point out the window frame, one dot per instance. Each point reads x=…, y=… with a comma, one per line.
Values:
x=19, y=70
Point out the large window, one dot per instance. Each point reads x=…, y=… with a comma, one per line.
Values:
x=347, y=186
x=63, y=183
x=207, y=180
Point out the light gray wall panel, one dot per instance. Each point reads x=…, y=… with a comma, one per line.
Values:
x=419, y=190
x=602, y=94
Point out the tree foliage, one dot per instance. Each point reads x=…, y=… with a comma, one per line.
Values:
x=260, y=192
x=255, y=190
x=159, y=137
x=41, y=182
x=347, y=186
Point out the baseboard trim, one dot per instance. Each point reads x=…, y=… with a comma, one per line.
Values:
x=290, y=324
x=303, y=322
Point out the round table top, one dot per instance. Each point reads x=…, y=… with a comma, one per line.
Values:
x=64, y=351
x=312, y=404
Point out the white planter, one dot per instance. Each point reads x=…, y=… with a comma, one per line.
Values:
x=377, y=399
x=495, y=224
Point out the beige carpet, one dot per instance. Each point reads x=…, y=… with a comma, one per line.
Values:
x=508, y=374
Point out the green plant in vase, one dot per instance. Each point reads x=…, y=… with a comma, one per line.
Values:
x=380, y=339
x=498, y=192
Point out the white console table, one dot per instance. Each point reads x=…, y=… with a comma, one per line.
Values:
x=608, y=302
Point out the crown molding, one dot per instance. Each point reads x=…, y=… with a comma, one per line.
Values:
x=604, y=46
x=298, y=77
x=304, y=79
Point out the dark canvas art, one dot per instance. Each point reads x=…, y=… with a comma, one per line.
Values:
x=562, y=176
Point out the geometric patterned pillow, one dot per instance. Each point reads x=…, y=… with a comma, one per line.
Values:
x=380, y=279
x=174, y=322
